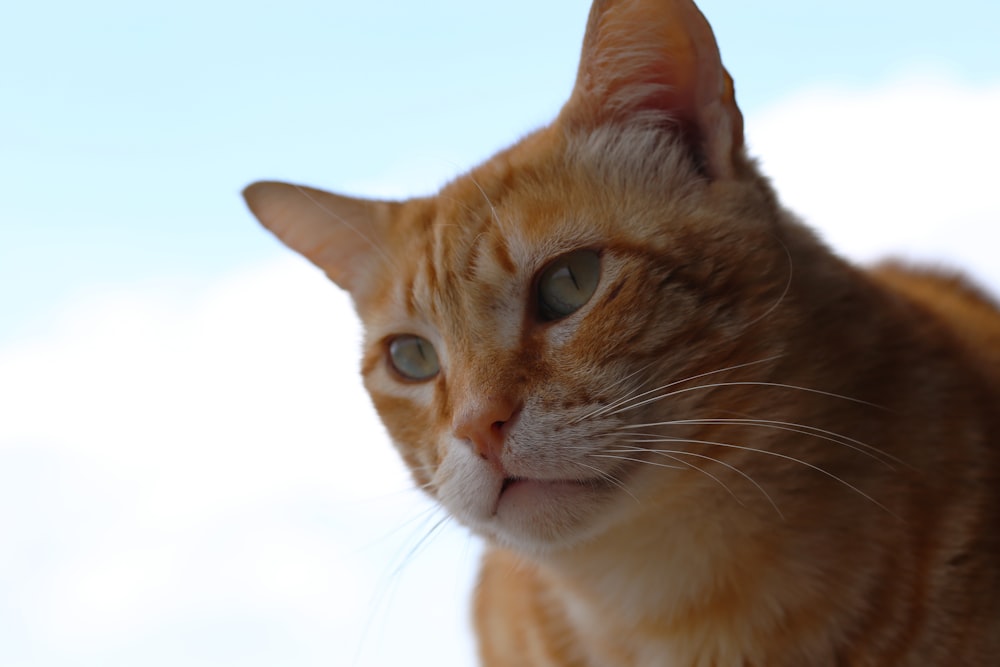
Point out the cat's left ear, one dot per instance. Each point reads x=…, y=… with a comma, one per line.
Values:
x=656, y=61
x=342, y=235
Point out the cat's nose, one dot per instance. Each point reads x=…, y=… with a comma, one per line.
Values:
x=485, y=424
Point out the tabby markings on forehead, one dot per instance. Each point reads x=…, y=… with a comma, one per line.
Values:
x=420, y=286
x=496, y=293
x=634, y=154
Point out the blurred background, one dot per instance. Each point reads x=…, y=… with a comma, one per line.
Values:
x=190, y=473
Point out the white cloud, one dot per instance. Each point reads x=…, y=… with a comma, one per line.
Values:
x=193, y=475
x=197, y=472
x=908, y=168
x=407, y=177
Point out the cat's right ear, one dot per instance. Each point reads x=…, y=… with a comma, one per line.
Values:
x=657, y=61
x=341, y=235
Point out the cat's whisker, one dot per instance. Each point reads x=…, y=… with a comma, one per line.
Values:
x=493, y=210
x=430, y=486
x=684, y=464
x=674, y=453
x=422, y=542
x=608, y=477
x=871, y=451
x=461, y=204
x=652, y=438
x=383, y=594
x=716, y=385
x=422, y=517
x=628, y=377
x=618, y=403
x=627, y=395
x=788, y=285
x=427, y=487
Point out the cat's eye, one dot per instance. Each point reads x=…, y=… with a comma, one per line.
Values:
x=413, y=357
x=567, y=283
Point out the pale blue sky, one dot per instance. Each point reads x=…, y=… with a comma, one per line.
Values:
x=190, y=473
x=126, y=128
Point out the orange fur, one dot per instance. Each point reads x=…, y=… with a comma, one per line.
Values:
x=738, y=450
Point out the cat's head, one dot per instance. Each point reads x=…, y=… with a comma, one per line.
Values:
x=525, y=326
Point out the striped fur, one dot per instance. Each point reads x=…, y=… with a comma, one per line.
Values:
x=740, y=450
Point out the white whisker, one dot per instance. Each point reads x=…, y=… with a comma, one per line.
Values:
x=788, y=284
x=493, y=211
x=804, y=429
x=604, y=408
x=422, y=542
x=611, y=479
x=674, y=453
x=684, y=464
x=649, y=438
x=626, y=399
x=715, y=385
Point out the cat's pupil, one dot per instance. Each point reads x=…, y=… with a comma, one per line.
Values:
x=567, y=283
x=413, y=357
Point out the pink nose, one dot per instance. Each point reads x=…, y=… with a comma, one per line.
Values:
x=484, y=425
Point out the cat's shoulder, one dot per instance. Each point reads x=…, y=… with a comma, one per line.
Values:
x=951, y=296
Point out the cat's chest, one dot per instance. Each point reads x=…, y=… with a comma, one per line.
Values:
x=610, y=644
x=610, y=639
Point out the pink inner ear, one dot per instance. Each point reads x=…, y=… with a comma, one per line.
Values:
x=656, y=60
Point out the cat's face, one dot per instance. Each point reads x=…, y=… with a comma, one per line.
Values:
x=512, y=337
x=530, y=327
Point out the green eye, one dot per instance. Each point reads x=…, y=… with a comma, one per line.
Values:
x=568, y=283
x=413, y=357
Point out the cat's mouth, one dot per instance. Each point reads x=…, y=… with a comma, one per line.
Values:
x=544, y=512
x=509, y=482
x=521, y=493
x=514, y=482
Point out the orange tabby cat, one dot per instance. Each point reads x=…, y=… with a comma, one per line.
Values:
x=689, y=433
